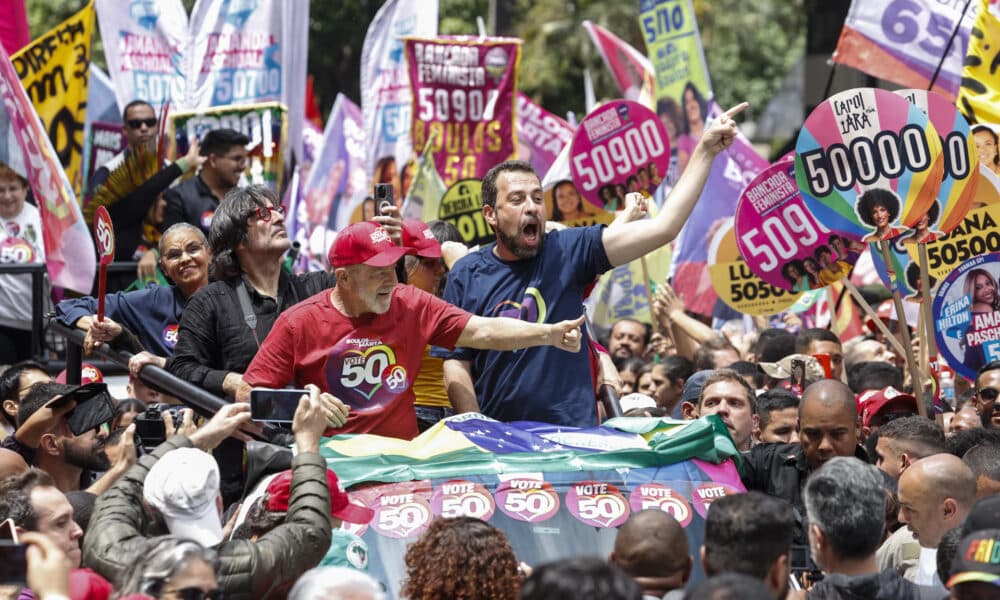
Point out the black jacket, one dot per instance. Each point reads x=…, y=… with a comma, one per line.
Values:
x=213, y=337
x=781, y=470
x=887, y=585
x=190, y=201
x=247, y=569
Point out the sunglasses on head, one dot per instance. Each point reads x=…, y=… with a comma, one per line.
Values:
x=194, y=593
x=988, y=394
x=137, y=123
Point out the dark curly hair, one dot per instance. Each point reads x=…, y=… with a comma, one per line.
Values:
x=461, y=559
x=229, y=227
x=877, y=197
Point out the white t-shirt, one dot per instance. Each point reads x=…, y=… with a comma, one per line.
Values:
x=20, y=243
x=927, y=568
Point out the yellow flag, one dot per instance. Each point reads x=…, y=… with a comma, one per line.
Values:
x=979, y=96
x=53, y=70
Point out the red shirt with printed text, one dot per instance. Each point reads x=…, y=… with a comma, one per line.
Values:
x=368, y=362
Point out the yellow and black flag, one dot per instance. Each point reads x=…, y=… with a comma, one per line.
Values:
x=979, y=96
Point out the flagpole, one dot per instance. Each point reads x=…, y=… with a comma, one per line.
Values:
x=947, y=47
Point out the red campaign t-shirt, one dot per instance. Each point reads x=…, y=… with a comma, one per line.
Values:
x=369, y=362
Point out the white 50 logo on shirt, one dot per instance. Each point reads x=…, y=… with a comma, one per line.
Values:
x=170, y=335
x=363, y=372
x=16, y=251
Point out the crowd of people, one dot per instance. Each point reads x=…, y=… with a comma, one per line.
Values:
x=852, y=493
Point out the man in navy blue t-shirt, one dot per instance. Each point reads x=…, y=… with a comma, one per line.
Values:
x=541, y=278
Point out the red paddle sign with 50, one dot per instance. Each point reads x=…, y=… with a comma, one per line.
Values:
x=104, y=234
x=622, y=143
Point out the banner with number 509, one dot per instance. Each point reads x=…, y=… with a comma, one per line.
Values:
x=620, y=147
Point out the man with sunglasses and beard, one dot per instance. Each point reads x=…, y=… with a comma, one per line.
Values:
x=62, y=429
x=538, y=277
x=987, y=391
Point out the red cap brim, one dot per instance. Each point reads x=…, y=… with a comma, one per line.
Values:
x=353, y=513
x=389, y=256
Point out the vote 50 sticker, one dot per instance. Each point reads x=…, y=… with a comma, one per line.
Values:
x=528, y=500
x=461, y=498
x=596, y=503
x=660, y=497
x=704, y=495
x=401, y=516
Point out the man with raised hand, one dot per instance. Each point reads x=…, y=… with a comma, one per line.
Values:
x=541, y=277
x=363, y=341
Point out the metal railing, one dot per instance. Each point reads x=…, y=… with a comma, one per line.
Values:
x=38, y=272
x=203, y=403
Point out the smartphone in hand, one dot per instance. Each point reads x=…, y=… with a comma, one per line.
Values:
x=269, y=405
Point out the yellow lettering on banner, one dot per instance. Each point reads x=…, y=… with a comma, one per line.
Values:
x=738, y=286
x=979, y=233
x=53, y=70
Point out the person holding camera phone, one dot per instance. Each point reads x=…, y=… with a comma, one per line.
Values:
x=363, y=341
x=224, y=324
x=247, y=569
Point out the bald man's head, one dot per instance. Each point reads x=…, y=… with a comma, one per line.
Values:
x=11, y=463
x=935, y=495
x=651, y=545
x=827, y=422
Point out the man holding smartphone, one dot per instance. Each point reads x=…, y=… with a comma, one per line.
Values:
x=363, y=341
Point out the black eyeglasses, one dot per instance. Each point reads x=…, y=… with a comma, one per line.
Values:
x=137, y=123
x=195, y=593
x=263, y=213
x=988, y=394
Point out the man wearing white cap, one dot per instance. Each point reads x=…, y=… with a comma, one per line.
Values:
x=185, y=492
x=183, y=487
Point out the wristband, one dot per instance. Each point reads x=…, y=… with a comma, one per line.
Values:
x=183, y=163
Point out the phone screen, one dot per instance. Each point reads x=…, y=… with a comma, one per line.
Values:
x=274, y=406
x=13, y=563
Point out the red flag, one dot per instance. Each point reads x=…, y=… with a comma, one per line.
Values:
x=14, y=33
x=313, y=114
x=631, y=69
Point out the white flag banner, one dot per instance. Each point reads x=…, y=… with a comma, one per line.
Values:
x=145, y=46
x=231, y=53
x=386, y=100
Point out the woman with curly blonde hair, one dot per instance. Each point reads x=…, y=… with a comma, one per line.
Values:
x=461, y=559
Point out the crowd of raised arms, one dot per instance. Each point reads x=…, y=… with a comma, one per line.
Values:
x=851, y=492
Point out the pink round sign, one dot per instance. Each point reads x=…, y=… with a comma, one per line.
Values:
x=461, y=498
x=780, y=239
x=597, y=503
x=660, y=497
x=620, y=147
x=529, y=500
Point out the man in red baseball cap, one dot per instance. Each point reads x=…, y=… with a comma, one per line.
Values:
x=363, y=340
x=878, y=407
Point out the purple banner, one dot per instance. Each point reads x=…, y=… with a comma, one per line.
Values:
x=541, y=135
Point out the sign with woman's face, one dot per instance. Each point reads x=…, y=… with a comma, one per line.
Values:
x=869, y=164
x=967, y=315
